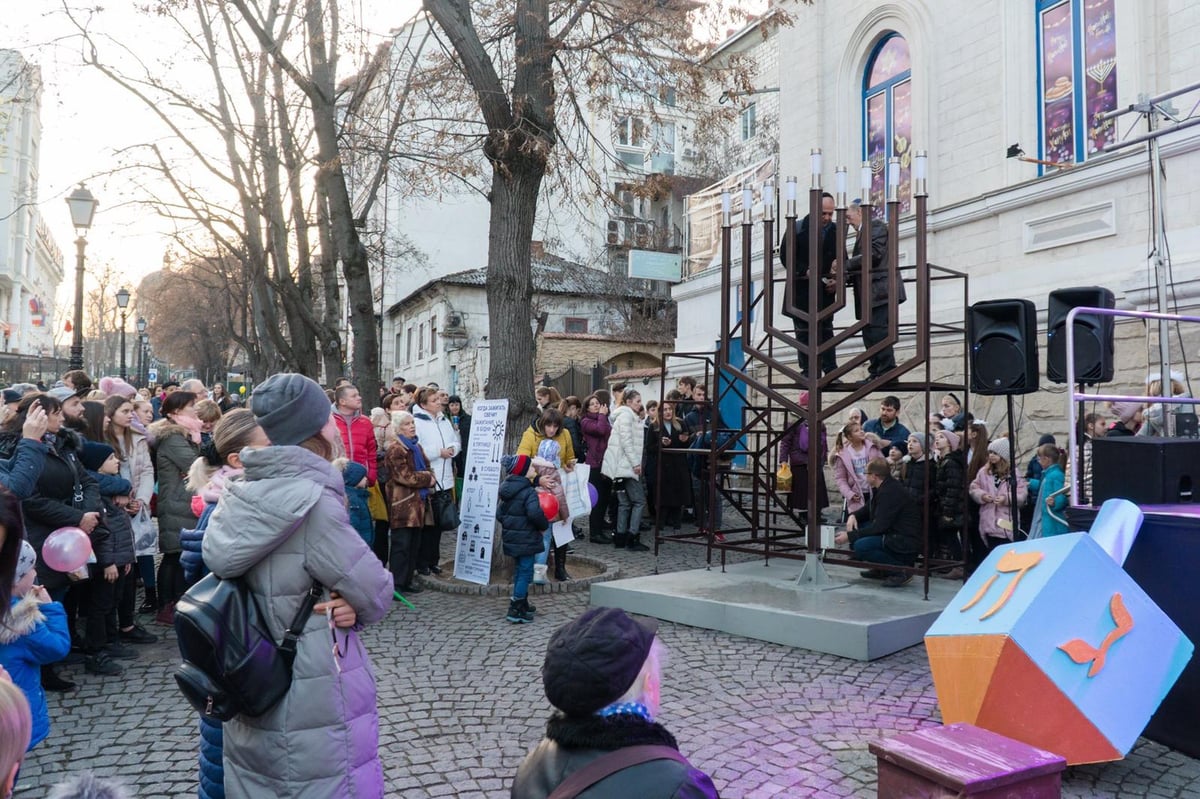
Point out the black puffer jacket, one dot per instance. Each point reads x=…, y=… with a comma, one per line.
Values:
x=572, y=743
x=53, y=503
x=949, y=487
x=521, y=517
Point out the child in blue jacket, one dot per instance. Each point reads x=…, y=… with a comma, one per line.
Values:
x=522, y=521
x=34, y=635
x=355, y=477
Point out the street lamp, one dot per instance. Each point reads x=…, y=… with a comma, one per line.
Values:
x=141, y=329
x=145, y=359
x=123, y=303
x=83, y=208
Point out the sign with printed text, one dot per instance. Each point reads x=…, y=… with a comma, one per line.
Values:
x=476, y=532
x=152, y=375
x=651, y=265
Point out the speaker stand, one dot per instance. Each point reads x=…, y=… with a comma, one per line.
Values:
x=814, y=577
x=1012, y=476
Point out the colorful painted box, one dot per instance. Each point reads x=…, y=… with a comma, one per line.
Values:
x=1051, y=643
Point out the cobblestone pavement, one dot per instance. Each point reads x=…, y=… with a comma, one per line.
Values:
x=460, y=703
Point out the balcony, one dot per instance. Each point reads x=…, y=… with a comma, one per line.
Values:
x=631, y=232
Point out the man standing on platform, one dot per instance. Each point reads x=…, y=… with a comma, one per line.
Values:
x=803, y=271
x=888, y=427
x=888, y=531
x=877, y=284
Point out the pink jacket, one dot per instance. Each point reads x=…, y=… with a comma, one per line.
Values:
x=991, y=513
x=847, y=481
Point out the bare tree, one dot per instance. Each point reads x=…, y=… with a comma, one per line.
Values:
x=541, y=72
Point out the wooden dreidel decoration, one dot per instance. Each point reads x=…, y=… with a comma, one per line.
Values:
x=1051, y=643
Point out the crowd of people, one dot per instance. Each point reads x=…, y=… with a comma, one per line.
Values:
x=968, y=473
x=305, y=491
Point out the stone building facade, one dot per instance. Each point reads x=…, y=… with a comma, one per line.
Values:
x=967, y=82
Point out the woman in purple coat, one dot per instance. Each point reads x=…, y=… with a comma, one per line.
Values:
x=596, y=428
x=793, y=450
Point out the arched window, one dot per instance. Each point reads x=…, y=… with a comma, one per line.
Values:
x=887, y=117
x=1077, y=77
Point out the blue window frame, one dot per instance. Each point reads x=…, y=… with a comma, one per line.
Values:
x=1077, y=78
x=887, y=117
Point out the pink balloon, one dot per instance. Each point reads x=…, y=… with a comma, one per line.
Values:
x=66, y=549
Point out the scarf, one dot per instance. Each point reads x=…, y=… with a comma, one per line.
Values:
x=627, y=709
x=419, y=461
x=191, y=424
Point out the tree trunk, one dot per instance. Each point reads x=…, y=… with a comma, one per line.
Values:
x=332, y=179
x=510, y=294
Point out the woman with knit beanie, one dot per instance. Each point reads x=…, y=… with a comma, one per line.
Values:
x=283, y=529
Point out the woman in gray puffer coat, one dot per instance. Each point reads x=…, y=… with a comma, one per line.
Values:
x=281, y=527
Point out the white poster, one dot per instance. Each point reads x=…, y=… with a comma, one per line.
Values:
x=481, y=484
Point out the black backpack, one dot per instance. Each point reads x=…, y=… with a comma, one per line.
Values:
x=231, y=664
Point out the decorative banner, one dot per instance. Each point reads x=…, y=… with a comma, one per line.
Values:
x=481, y=485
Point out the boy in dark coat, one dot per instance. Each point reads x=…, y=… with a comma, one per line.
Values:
x=114, y=563
x=522, y=522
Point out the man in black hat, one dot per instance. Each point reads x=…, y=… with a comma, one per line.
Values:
x=803, y=272
x=603, y=674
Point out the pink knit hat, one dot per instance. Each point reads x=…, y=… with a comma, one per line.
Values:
x=115, y=386
x=951, y=438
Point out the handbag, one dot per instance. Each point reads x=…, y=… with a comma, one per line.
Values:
x=231, y=663
x=783, y=477
x=445, y=511
x=376, y=504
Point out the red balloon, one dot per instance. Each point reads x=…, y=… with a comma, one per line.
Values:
x=549, y=505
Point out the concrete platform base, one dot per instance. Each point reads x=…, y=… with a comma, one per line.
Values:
x=863, y=621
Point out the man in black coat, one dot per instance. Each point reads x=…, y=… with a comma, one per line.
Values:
x=877, y=324
x=603, y=674
x=799, y=280
x=888, y=530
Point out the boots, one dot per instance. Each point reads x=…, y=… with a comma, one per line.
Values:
x=600, y=537
x=53, y=681
x=634, y=544
x=166, y=615
x=560, y=564
x=518, y=611
x=151, y=603
x=539, y=574
x=619, y=540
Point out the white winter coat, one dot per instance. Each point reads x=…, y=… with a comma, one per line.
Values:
x=434, y=435
x=625, y=444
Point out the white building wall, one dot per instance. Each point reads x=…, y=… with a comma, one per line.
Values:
x=31, y=264
x=975, y=93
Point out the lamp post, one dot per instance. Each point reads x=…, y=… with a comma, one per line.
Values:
x=123, y=303
x=141, y=329
x=83, y=208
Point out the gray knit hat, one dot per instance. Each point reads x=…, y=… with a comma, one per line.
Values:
x=290, y=408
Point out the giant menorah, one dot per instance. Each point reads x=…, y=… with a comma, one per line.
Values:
x=757, y=364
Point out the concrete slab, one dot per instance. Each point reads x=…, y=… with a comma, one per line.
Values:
x=863, y=620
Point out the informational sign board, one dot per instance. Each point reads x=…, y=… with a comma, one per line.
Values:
x=481, y=484
x=651, y=265
x=152, y=375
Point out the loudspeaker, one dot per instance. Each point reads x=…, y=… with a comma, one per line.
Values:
x=1002, y=335
x=1093, y=335
x=1145, y=469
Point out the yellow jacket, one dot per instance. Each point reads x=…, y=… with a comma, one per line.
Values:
x=531, y=438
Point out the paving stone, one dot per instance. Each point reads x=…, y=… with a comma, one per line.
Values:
x=460, y=703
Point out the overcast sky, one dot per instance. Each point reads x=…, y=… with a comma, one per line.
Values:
x=87, y=120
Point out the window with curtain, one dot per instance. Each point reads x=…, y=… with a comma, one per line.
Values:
x=887, y=117
x=1077, y=77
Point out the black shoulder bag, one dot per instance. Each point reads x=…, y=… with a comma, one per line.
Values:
x=231, y=663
